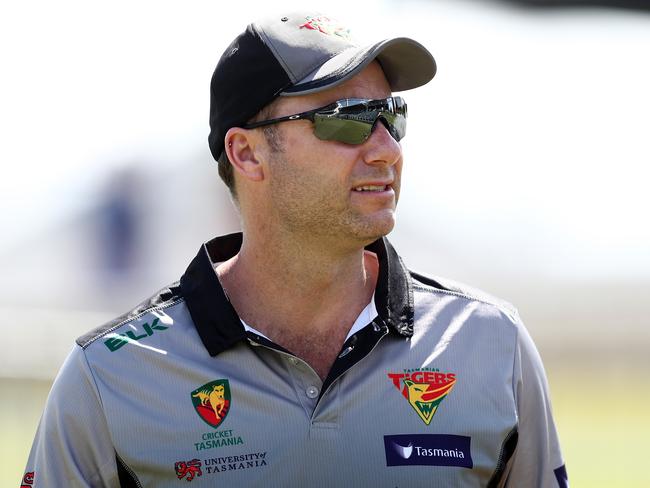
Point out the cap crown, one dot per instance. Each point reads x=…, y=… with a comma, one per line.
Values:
x=301, y=43
x=296, y=54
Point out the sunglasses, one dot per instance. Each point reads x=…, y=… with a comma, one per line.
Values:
x=351, y=120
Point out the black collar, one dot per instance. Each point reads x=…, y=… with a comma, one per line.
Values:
x=218, y=324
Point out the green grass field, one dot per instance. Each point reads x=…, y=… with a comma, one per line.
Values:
x=601, y=415
x=21, y=403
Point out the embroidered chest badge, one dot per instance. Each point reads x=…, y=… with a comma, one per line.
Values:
x=325, y=25
x=424, y=388
x=212, y=402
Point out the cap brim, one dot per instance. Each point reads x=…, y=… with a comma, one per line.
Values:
x=406, y=64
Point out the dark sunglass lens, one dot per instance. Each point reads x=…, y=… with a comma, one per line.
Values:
x=354, y=119
x=399, y=127
x=345, y=130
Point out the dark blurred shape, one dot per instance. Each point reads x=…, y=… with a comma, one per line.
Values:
x=117, y=222
x=626, y=4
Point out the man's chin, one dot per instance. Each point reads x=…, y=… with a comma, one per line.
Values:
x=375, y=229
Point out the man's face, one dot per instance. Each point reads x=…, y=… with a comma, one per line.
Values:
x=329, y=188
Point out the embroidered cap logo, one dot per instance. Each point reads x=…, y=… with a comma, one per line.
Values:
x=326, y=25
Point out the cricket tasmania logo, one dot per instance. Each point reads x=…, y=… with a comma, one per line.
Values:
x=212, y=401
x=424, y=388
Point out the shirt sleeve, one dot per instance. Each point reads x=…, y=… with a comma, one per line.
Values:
x=537, y=461
x=72, y=446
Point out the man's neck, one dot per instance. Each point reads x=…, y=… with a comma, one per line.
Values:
x=304, y=298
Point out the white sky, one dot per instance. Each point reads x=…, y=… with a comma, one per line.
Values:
x=532, y=139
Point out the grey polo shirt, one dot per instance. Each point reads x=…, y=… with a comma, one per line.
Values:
x=443, y=387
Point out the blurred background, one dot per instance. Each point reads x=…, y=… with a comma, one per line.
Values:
x=525, y=175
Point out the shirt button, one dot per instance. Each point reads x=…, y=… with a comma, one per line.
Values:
x=312, y=392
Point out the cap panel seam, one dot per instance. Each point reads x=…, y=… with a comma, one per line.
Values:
x=348, y=63
x=340, y=75
x=287, y=69
x=319, y=63
x=350, y=66
x=276, y=54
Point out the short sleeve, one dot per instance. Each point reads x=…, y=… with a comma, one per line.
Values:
x=72, y=446
x=537, y=462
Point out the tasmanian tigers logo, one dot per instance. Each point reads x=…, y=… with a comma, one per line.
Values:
x=188, y=470
x=212, y=401
x=424, y=389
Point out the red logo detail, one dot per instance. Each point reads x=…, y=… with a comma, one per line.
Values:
x=326, y=26
x=28, y=480
x=424, y=389
x=212, y=401
x=188, y=470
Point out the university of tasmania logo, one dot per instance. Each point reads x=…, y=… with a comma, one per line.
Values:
x=424, y=388
x=212, y=401
x=187, y=470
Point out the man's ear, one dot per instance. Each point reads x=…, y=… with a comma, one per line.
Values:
x=240, y=147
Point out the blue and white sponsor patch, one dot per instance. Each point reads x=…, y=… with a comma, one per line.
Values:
x=428, y=450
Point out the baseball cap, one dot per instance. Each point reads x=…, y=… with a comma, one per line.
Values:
x=299, y=53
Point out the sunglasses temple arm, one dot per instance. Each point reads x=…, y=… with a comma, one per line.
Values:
x=309, y=115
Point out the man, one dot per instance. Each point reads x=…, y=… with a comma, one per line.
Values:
x=302, y=352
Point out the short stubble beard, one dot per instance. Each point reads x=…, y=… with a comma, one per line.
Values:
x=324, y=215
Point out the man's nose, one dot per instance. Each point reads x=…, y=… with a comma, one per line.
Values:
x=381, y=147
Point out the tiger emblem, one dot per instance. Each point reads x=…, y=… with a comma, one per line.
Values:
x=214, y=397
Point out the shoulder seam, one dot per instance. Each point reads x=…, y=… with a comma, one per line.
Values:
x=126, y=321
x=432, y=289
